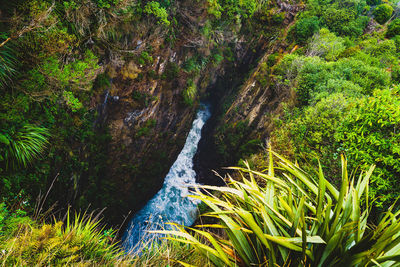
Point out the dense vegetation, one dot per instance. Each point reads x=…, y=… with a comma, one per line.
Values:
x=55, y=69
x=340, y=64
x=294, y=218
x=349, y=81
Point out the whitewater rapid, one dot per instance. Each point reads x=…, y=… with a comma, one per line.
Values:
x=171, y=203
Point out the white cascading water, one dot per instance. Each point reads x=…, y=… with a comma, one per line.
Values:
x=171, y=203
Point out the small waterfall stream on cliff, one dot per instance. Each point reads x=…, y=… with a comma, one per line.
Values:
x=171, y=203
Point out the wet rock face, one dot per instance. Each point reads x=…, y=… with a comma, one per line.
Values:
x=149, y=122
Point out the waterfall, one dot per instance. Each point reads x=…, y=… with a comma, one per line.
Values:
x=171, y=203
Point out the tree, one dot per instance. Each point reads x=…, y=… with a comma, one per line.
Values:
x=305, y=28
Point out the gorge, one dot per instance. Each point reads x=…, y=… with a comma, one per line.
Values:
x=112, y=110
x=171, y=204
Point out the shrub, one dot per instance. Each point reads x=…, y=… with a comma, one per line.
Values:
x=344, y=17
x=195, y=64
x=313, y=78
x=368, y=134
x=106, y=3
x=232, y=141
x=393, y=28
x=396, y=74
x=189, y=94
x=54, y=75
x=171, y=71
x=144, y=58
x=300, y=135
x=72, y=102
x=232, y=11
x=159, y=12
x=382, y=13
x=373, y=2
x=396, y=41
x=326, y=44
x=293, y=217
x=305, y=28
x=337, y=18
x=363, y=128
x=80, y=241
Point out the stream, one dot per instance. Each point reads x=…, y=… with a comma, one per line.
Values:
x=171, y=203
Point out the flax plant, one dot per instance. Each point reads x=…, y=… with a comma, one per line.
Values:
x=293, y=219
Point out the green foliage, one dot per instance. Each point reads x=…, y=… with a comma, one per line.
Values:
x=293, y=217
x=145, y=130
x=10, y=221
x=314, y=78
x=231, y=10
x=72, y=5
x=52, y=74
x=362, y=128
x=195, y=64
x=144, y=58
x=171, y=71
x=393, y=28
x=154, y=8
x=217, y=57
x=373, y=2
x=190, y=93
x=24, y=145
x=382, y=13
x=396, y=75
x=71, y=101
x=79, y=241
x=341, y=17
x=7, y=65
x=305, y=28
x=343, y=21
x=170, y=253
x=327, y=45
x=368, y=134
x=214, y=8
x=102, y=81
x=299, y=134
x=143, y=98
x=106, y=3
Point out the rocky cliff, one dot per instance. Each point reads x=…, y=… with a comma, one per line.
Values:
x=150, y=105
